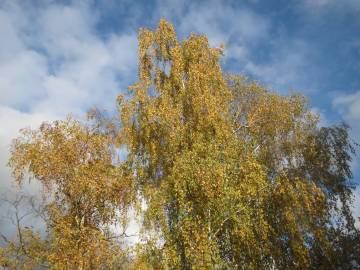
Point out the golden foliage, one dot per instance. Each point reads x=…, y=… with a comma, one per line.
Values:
x=75, y=165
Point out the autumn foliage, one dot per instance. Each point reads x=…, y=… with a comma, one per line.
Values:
x=221, y=173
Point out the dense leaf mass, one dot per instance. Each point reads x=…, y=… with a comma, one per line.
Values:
x=223, y=173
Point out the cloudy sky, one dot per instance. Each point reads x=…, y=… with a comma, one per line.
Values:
x=58, y=57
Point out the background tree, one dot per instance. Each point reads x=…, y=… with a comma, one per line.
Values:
x=76, y=166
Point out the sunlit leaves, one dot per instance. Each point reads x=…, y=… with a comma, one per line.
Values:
x=75, y=163
x=223, y=164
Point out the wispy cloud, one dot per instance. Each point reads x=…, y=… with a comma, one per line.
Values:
x=287, y=67
x=349, y=107
x=64, y=66
x=237, y=27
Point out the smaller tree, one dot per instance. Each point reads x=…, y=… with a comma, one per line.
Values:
x=88, y=188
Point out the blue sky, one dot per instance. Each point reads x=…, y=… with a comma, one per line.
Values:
x=58, y=57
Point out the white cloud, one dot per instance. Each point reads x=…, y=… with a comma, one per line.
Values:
x=11, y=43
x=12, y=121
x=64, y=60
x=20, y=78
x=286, y=68
x=349, y=107
x=236, y=27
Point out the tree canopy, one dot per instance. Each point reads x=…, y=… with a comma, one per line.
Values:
x=223, y=173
